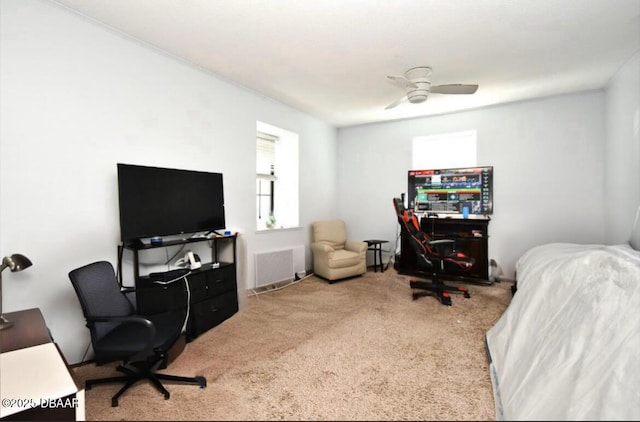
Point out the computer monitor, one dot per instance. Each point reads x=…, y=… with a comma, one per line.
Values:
x=450, y=190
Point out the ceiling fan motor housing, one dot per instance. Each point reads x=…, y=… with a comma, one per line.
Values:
x=419, y=95
x=420, y=77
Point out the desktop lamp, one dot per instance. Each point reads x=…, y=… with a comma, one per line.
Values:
x=15, y=262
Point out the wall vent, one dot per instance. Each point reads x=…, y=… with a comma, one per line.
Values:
x=277, y=266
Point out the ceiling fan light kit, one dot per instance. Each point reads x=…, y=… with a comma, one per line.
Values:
x=418, y=96
x=417, y=84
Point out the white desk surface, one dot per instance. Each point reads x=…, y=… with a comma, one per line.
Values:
x=30, y=375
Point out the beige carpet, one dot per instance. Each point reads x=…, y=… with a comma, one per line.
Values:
x=359, y=349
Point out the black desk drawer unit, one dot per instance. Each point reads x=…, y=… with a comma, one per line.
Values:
x=211, y=312
x=206, y=285
x=152, y=298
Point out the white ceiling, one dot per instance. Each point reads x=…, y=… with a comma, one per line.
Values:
x=331, y=58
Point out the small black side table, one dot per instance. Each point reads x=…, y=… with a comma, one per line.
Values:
x=375, y=245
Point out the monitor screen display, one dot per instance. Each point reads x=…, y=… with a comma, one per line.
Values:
x=451, y=190
x=156, y=201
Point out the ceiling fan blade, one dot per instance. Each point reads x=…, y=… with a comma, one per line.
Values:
x=402, y=82
x=454, y=89
x=396, y=102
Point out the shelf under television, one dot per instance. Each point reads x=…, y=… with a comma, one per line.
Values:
x=138, y=244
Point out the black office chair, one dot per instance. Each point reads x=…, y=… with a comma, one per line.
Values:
x=433, y=256
x=117, y=332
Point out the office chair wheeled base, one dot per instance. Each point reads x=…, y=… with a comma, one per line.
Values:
x=438, y=290
x=138, y=371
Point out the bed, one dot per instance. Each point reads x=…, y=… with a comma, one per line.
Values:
x=568, y=345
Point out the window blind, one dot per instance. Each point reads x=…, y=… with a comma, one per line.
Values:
x=266, y=155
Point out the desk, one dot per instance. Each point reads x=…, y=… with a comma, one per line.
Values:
x=35, y=381
x=375, y=245
x=471, y=236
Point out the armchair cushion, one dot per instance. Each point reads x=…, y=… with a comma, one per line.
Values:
x=332, y=233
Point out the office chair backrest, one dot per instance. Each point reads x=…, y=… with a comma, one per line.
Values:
x=409, y=222
x=99, y=294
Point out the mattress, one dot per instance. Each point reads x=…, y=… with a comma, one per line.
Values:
x=568, y=345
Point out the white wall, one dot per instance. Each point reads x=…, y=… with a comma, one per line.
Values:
x=548, y=171
x=622, y=153
x=75, y=99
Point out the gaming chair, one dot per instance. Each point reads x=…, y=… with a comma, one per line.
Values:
x=432, y=257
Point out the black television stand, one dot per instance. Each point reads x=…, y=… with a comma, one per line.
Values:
x=213, y=287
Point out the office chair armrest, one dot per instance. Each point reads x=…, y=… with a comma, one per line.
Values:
x=441, y=245
x=443, y=242
x=356, y=246
x=131, y=319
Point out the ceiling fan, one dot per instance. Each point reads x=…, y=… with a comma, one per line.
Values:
x=417, y=83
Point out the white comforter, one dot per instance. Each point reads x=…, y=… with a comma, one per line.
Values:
x=568, y=345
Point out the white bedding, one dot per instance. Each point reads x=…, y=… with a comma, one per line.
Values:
x=568, y=345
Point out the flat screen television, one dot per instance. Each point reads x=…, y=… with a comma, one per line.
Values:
x=450, y=190
x=157, y=201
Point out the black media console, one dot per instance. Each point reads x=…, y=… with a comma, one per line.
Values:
x=212, y=288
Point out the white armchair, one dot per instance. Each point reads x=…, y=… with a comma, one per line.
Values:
x=335, y=257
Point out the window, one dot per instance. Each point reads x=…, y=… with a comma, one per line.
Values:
x=265, y=179
x=276, y=178
x=462, y=185
x=448, y=150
